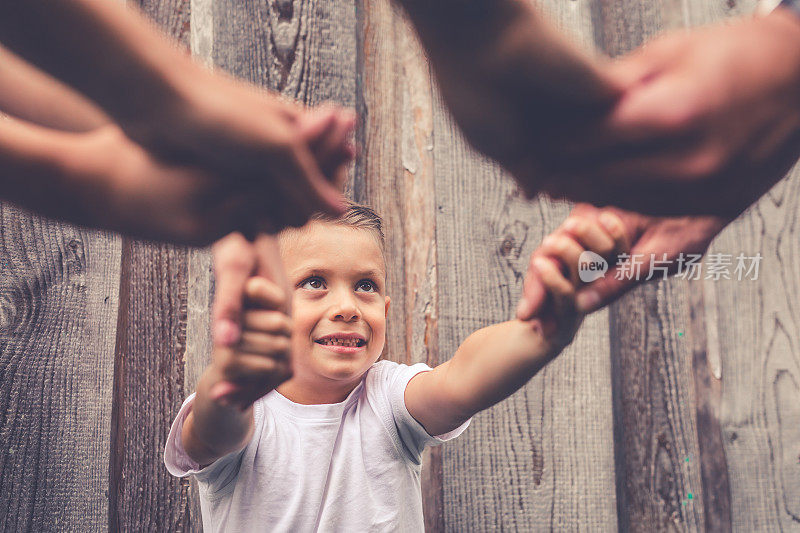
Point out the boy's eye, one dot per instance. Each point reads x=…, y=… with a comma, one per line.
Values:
x=313, y=284
x=366, y=285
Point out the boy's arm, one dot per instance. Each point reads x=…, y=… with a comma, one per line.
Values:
x=490, y=365
x=496, y=361
x=221, y=420
x=214, y=429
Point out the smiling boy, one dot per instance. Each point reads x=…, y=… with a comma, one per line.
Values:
x=335, y=444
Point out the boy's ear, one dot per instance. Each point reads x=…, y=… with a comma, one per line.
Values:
x=388, y=300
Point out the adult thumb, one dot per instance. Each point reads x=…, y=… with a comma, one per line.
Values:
x=603, y=291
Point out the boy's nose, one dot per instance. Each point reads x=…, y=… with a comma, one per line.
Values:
x=346, y=309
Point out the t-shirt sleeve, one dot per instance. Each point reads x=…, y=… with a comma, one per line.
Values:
x=216, y=476
x=413, y=436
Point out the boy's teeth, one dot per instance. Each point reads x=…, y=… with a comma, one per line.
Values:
x=352, y=343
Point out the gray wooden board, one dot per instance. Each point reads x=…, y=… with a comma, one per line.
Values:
x=754, y=346
x=394, y=174
x=654, y=416
x=151, y=339
x=543, y=458
x=756, y=333
x=58, y=311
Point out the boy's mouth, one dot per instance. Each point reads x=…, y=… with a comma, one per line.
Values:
x=347, y=340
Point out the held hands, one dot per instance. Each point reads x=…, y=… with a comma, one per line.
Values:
x=651, y=237
x=287, y=158
x=554, y=277
x=129, y=189
x=260, y=360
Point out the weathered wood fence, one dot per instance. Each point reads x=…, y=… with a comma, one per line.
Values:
x=678, y=408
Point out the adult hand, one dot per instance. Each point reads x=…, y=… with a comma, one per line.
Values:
x=709, y=122
x=258, y=141
x=130, y=190
x=662, y=239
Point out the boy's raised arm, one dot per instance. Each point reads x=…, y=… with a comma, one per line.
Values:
x=492, y=363
x=221, y=420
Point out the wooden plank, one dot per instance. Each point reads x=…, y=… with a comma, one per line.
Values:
x=58, y=304
x=658, y=456
x=543, y=458
x=758, y=345
x=150, y=347
x=395, y=175
x=149, y=368
x=754, y=346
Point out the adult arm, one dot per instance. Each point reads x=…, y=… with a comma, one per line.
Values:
x=31, y=95
x=173, y=107
x=513, y=83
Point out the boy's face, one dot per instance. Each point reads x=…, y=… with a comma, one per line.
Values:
x=340, y=304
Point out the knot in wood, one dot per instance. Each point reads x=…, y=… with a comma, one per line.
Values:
x=507, y=246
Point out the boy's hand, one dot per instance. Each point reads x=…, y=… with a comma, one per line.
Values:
x=555, y=268
x=647, y=237
x=260, y=361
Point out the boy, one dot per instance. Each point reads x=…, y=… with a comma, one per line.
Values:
x=335, y=443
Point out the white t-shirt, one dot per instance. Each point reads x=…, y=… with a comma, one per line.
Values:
x=350, y=466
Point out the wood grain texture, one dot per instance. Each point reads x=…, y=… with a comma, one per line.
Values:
x=658, y=462
x=542, y=459
x=58, y=304
x=151, y=341
x=395, y=175
x=757, y=340
x=149, y=369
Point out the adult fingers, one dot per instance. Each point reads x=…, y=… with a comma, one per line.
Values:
x=270, y=266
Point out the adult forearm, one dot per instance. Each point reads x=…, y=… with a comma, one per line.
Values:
x=100, y=48
x=31, y=95
x=37, y=172
x=212, y=429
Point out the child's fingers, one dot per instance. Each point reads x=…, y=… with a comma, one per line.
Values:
x=534, y=295
x=274, y=346
x=561, y=291
x=563, y=248
x=616, y=230
x=590, y=235
x=262, y=293
x=272, y=322
x=552, y=278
